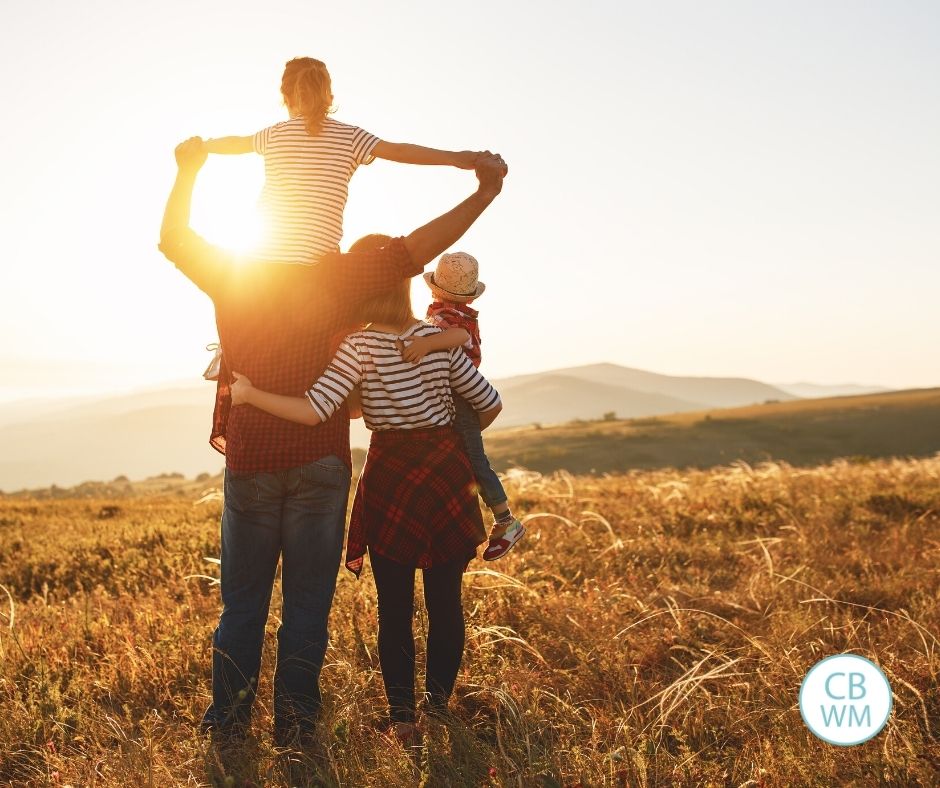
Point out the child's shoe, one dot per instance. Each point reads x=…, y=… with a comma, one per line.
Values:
x=502, y=543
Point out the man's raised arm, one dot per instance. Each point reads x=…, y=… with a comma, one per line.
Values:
x=427, y=242
x=205, y=264
x=356, y=276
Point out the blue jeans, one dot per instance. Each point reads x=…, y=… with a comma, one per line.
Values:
x=467, y=424
x=298, y=515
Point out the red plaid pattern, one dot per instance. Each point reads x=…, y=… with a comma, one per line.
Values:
x=416, y=502
x=448, y=314
x=280, y=325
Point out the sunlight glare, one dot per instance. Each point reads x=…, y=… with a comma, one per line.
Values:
x=225, y=203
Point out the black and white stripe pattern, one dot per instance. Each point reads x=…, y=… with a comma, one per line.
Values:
x=396, y=394
x=306, y=185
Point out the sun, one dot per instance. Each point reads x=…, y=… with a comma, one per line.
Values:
x=225, y=203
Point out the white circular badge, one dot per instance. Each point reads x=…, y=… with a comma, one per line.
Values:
x=845, y=699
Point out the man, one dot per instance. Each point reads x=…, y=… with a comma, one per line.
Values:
x=286, y=485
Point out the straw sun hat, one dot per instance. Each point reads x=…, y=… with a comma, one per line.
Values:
x=455, y=278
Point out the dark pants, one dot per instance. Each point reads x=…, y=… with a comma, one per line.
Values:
x=298, y=515
x=395, y=585
x=467, y=423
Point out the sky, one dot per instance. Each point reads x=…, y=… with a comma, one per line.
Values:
x=746, y=189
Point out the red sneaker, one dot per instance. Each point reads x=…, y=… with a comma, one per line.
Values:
x=500, y=545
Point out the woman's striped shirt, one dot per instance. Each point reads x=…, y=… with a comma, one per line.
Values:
x=306, y=183
x=396, y=394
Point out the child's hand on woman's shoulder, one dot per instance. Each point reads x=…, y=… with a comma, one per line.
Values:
x=416, y=349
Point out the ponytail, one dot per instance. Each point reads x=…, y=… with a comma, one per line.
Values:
x=307, y=89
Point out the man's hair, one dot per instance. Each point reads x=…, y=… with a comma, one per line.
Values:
x=370, y=243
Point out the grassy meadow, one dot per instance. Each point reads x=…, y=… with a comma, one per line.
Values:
x=651, y=630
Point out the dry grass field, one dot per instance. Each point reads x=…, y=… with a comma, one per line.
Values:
x=652, y=630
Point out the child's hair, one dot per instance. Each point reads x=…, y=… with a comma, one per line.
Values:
x=307, y=89
x=391, y=306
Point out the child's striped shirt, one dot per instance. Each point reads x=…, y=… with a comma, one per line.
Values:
x=396, y=394
x=306, y=185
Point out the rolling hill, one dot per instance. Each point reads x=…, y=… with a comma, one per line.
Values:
x=800, y=432
x=814, y=390
x=157, y=431
x=75, y=446
x=553, y=398
x=694, y=392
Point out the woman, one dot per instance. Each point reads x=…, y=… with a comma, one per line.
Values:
x=416, y=503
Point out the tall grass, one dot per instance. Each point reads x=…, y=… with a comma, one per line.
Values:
x=652, y=629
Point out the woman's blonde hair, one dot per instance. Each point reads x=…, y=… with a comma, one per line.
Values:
x=392, y=306
x=307, y=90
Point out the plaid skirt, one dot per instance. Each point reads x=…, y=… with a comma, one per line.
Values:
x=416, y=501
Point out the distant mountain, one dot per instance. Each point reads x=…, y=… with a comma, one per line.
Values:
x=25, y=410
x=138, y=444
x=815, y=391
x=22, y=410
x=699, y=392
x=166, y=430
x=553, y=398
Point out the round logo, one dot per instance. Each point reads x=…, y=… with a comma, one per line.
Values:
x=845, y=699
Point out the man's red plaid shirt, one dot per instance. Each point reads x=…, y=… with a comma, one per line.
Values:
x=280, y=325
